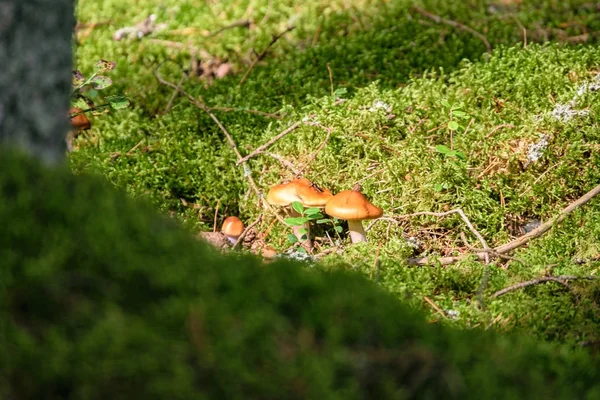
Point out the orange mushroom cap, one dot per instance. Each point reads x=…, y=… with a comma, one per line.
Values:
x=232, y=226
x=352, y=205
x=79, y=122
x=301, y=190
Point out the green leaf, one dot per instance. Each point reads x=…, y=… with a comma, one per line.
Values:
x=460, y=155
x=78, y=78
x=82, y=102
x=301, y=250
x=117, y=102
x=302, y=231
x=453, y=125
x=443, y=149
x=296, y=221
x=338, y=229
x=323, y=221
x=292, y=238
x=445, y=103
x=438, y=187
x=312, y=217
x=296, y=205
x=340, y=92
x=100, y=82
x=459, y=114
x=103, y=66
x=312, y=210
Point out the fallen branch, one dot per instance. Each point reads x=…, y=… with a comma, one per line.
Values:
x=512, y=245
x=454, y=24
x=543, y=228
x=559, y=279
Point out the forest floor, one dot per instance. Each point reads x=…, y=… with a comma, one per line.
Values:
x=470, y=125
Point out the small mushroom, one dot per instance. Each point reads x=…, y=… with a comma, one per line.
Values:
x=354, y=207
x=78, y=123
x=232, y=228
x=304, y=191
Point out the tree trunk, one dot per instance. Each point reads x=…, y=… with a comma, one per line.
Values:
x=35, y=75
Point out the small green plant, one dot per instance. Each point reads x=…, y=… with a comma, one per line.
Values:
x=306, y=215
x=96, y=82
x=456, y=114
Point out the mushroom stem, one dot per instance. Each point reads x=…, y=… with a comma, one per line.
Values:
x=232, y=239
x=307, y=244
x=356, y=230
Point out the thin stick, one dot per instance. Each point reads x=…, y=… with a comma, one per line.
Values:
x=330, y=78
x=258, y=112
x=244, y=23
x=216, y=215
x=435, y=307
x=203, y=107
x=520, y=241
x=497, y=128
x=265, y=146
x=174, y=95
x=314, y=155
x=543, y=228
x=264, y=53
x=454, y=24
x=283, y=162
x=462, y=215
x=240, y=239
x=560, y=279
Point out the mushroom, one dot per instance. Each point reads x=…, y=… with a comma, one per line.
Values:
x=232, y=228
x=78, y=123
x=354, y=207
x=305, y=192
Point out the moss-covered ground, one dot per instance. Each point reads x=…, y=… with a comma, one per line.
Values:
x=381, y=84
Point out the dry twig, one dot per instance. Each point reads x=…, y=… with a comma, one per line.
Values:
x=260, y=149
x=314, y=155
x=203, y=107
x=454, y=24
x=559, y=279
x=240, y=239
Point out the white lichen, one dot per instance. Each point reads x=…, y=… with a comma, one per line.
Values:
x=536, y=150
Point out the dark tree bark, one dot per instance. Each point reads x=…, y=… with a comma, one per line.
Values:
x=35, y=75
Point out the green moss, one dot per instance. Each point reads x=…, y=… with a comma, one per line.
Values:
x=377, y=51
x=100, y=298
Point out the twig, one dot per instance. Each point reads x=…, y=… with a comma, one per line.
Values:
x=283, y=162
x=462, y=215
x=264, y=53
x=265, y=146
x=498, y=127
x=314, y=155
x=258, y=112
x=203, y=107
x=240, y=239
x=330, y=78
x=520, y=241
x=244, y=23
x=435, y=307
x=454, y=24
x=174, y=95
x=543, y=228
x=216, y=215
x=560, y=279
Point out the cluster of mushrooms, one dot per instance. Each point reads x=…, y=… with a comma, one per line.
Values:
x=349, y=205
